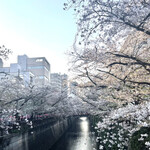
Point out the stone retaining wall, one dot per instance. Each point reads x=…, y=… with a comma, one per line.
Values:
x=42, y=138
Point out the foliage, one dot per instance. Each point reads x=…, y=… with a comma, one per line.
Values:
x=4, y=52
x=139, y=138
x=104, y=19
x=113, y=138
x=111, y=61
x=130, y=119
x=118, y=66
x=20, y=103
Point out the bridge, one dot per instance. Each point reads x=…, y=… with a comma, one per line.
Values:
x=81, y=115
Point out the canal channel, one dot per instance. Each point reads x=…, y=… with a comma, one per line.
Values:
x=78, y=137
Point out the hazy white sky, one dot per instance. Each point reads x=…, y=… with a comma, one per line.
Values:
x=37, y=28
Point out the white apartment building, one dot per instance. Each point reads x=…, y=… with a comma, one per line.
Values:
x=38, y=66
x=32, y=70
x=60, y=82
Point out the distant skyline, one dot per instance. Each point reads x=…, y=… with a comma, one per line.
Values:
x=37, y=28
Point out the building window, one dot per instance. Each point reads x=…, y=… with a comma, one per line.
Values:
x=36, y=67
x=39, y=60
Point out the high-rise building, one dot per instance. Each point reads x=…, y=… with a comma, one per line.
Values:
x=64, y=83
x=56, y=81
x=22, y=61
x=60, y=82
x=38, y=66
x=15, y=69
x=35, y=70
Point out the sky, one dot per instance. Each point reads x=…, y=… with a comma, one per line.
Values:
x=37, y=28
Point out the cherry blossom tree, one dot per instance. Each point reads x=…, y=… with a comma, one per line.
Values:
x=111, y=56
x=107, y=18
x=19, y=102
x=4, y=52
x=122, y=63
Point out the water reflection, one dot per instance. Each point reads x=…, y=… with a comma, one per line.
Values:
x=79, y=137
x=84, y=125
x=41, y=138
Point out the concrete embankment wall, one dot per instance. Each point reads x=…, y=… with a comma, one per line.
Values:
x=42, y=138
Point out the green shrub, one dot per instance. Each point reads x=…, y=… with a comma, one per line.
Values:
x=135, y=143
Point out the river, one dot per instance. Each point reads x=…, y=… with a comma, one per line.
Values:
x=78, y=137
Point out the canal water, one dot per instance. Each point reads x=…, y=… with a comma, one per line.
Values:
x=78, y=137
